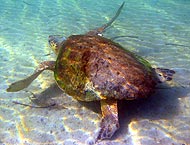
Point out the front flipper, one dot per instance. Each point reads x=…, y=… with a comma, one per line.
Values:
x=110, y=122
x=101, y=29
x=19, y=85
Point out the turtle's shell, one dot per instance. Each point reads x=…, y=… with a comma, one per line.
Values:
x=94, y=68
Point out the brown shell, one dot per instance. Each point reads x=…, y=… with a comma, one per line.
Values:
x=94, y=68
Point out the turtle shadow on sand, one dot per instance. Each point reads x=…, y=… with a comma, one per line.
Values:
x=163, y=104
x=53, y=97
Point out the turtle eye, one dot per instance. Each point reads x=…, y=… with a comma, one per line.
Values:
x=53, y=46
x=55, y=42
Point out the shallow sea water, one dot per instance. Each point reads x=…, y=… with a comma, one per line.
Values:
x=158, y=30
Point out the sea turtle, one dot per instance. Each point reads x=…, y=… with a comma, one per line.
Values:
x=90, y=67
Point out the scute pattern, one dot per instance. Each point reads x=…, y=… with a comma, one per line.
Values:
x=113, y=71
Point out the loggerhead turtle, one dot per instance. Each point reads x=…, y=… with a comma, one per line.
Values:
x=90, y=67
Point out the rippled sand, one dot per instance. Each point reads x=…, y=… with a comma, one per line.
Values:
x=158, y=30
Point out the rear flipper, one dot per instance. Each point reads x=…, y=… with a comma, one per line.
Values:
x=164, y=74
x=110, y=122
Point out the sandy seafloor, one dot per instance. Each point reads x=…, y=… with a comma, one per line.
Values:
x=158, y=30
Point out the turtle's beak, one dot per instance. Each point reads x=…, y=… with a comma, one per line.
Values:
x=55, y=42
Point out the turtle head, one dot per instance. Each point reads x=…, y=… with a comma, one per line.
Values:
x=164, y=74
x=55, y=42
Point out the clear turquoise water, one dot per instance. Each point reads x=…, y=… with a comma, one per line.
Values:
x=162, y=33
